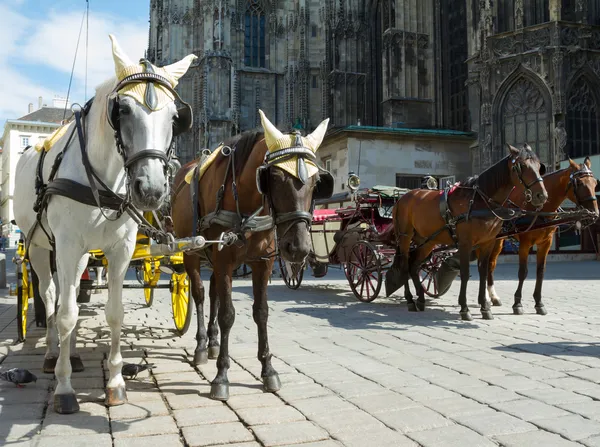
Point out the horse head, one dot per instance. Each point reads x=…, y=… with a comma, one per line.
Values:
x=582, y=185
x=525, y=169
x=291, y=178
x=141, y=109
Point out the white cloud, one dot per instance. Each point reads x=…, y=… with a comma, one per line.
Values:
x=50, y=43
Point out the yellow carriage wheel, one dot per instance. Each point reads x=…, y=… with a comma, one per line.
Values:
x=24, y=292
x=150, y=277
x=181, y=302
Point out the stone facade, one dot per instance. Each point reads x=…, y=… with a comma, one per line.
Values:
x=533, y=77
x=354, y=61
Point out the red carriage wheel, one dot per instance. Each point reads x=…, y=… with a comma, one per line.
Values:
x=428, y=276
x=292, y=273
x=364, y=272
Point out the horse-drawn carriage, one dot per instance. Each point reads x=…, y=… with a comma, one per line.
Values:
x=357, y=238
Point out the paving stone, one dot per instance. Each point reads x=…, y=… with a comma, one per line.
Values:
x=328, y=443
x=289, y=433
x=425, y=393
x=83, y=440
x=489, y=394
x=572, y=427
x=145, y=427
x=493, y=423
x=146, y=441
x=589, y=409
x=383, y=437
x=298, y=392
x=347, y=421
x=529, y=409
x=385, y=402
x=18, y=412
x=139, y=410
x=204, y=435
x=254, y=401
x=413, y=419
x=534, y=439
x=516, y=382
x=270, y=415
x=323, y=405
x=455, y=406
x=555, y=396
x=24, y=429
x=206, y=415
x=450, y=436
x=594, y=441
x=82, y=423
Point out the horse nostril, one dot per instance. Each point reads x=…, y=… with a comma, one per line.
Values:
x=137, y=187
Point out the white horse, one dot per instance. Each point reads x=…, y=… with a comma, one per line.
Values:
x=127, y=136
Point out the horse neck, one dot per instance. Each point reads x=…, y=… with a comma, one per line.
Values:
x=101, y=148
x=556, y=184
x=248, y=177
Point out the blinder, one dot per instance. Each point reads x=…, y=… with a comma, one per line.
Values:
x=324, y=187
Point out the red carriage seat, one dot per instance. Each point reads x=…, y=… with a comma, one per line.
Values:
x=325, y=214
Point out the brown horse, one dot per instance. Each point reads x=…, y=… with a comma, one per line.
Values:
x=262, y=189
x=577, y=183
x=466, y=219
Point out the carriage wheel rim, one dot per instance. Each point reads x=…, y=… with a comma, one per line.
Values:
x=362, y=270
x=180, y=300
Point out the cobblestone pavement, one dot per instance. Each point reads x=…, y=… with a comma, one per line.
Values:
x=353, y=374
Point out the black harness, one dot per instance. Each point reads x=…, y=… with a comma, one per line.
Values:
x=98, y=193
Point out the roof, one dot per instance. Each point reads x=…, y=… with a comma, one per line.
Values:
x=47, y=115
x=405, y=131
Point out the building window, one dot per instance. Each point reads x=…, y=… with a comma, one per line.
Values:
x=254, y=37
x=505, y=17
x=314, y=82
x=408, y=181
x=582, y=121
x=24, y=141
x=314, y=31
x=389, y=14
x=536, y=11
x=327, y=163
x=525, y=120
x=454, y=56
x=593, y=12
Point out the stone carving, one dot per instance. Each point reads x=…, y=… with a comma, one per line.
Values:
x=504, y=46
x=569, y=36
x=487, y=151
x=518, y=14
x=486, y=113
x=538, y=38
x=560, y=134
x=524, y=97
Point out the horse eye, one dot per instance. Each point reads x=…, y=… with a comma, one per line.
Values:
x=124, y=109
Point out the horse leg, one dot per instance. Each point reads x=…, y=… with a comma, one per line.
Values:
x=464, y=253
x=70, y=266
x=490, y=275
x=260, y=313
x=213, y=328
x=418, y=257
x=192, y=267
x=219, y=389
x=118, y=261
x=542, y=253
x=524, y=247
x=40, y=261
x=483, y=265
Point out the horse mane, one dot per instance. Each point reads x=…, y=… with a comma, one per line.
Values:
x=243, y=144
x=498, y=175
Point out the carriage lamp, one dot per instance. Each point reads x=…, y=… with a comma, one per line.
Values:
x=353, y=181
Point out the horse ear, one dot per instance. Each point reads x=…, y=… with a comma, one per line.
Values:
x=588, y=162
x=573, y=165
x=119, y=56
x=316, y=138
x=272, y=133
x=178, y=69
x=513, y=150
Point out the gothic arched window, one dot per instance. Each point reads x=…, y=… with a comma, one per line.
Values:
x=536, y=11
x=505, y=16
x=582, y=120
x=525, y=119
x=389, y=14
x=254, y=37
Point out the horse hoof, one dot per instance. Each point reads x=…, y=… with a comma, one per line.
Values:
x=200, y=357
x=518, y=310
x=466, y=316
x=213, y=352
x=412, y=307
x=49, y=365
x=66, y=403
x=487, y=315
x=219, y=391
x=421, y=305
x=76, y=364
x=541, y=310
x=496, y=302
x=116, y=396
x=272, y=383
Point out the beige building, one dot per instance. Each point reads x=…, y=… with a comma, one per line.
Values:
x=17, y=135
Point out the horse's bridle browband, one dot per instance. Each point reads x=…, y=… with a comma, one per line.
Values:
x=574, y=179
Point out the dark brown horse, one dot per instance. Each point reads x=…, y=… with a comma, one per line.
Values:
x=276, y=179
x=577, y=183
x=468, y=220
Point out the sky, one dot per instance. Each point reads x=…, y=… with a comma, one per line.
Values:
x=38, y=39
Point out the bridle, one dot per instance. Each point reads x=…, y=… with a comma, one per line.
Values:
x=262, y=181
x=517, y=167
x=575, y=182
x=113, y=117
